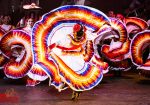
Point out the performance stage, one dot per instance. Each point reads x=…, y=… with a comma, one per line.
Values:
x=129, y=89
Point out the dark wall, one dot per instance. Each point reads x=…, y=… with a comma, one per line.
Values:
x=118, y=6
x=48, y=5
x=5, y=6
x=13, y=7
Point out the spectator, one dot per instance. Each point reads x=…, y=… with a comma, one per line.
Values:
x=6, y=26
x=29, y=25
x=111, y=14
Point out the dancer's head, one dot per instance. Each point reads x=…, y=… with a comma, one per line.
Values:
x=78, y=31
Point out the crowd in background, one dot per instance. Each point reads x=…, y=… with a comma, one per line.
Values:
x=6, y=22
x=6, y=25
x=137, y=8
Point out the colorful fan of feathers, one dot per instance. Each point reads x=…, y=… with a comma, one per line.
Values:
x=140, y=50
x=59, y=22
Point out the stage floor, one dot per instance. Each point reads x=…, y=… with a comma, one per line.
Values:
x=129, y=89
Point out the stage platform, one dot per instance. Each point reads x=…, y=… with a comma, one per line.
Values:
x=128, y=89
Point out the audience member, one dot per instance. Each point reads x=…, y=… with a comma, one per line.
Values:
x=111, y=14
x=28, y=26
x=6, y=25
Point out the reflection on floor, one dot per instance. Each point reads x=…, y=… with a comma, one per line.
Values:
x=128, y=89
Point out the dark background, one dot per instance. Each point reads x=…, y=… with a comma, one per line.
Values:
x=47, y=5
x=14, y=7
